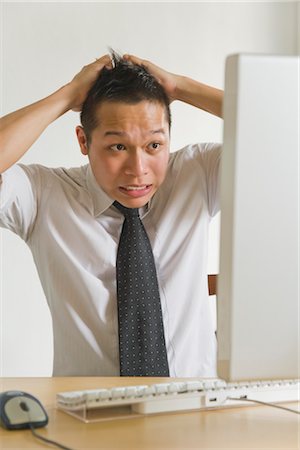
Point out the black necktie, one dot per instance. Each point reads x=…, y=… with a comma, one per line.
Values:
x=141, y=332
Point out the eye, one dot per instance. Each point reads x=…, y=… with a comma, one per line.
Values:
x=154, y=145
x=117, y=147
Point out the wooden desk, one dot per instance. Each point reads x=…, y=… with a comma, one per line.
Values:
x=253, y=427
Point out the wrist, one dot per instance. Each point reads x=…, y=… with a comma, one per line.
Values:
x=68, y=96
x=180, y=88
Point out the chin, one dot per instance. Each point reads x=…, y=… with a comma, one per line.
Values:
x=133, y=203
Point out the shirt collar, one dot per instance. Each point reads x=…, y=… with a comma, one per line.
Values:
x=101, y=201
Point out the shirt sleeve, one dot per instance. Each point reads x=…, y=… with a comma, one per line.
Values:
x=19, y=199
x=209, y=156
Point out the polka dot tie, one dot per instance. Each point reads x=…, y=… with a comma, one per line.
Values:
x=141, y=332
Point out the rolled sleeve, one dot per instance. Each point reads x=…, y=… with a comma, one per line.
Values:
x=18, y=199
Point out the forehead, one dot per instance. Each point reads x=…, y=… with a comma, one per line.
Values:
x=144, y=115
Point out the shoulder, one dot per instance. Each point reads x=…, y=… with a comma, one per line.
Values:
x=203, y=153
x=42, y=175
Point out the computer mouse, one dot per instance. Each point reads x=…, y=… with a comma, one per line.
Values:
x=20, y=410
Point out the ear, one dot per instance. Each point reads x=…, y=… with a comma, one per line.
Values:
x=82, y=140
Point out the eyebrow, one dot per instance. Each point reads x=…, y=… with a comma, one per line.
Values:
x=123, y=133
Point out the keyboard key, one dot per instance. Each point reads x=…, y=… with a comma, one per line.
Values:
x=118, y=392
x=161, y=388
x=196, y=385
x=130, y=392
x=177, y=388
x=141, y=391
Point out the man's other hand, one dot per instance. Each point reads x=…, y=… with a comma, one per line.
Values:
x=169, y=81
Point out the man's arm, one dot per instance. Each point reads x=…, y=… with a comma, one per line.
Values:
x=20, y=129
x=200, y=95
x=184, y=89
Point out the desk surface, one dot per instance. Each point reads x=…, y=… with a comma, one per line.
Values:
x=253, y=427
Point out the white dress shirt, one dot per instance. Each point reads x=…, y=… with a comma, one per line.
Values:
x=73, y=231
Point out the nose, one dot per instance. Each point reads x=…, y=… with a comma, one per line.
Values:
x=136, y=164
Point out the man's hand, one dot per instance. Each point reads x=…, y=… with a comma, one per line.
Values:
x=183, y=88
x=169, y=81
x=21, y=128
x=83, y=81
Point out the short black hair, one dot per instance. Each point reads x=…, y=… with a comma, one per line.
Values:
x=125, y=82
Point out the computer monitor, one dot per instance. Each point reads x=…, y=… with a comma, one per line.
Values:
x=258, y=285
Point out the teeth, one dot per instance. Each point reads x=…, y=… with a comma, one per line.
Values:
x=135, y=188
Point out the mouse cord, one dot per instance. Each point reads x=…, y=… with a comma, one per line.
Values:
x=26, y=408
x=48, y=441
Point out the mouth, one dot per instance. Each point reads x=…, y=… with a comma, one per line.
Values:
x=136, y=190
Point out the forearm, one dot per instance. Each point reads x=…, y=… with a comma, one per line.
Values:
x=20, y=129
x=200, y=95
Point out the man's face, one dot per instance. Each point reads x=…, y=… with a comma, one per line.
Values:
x=129, y=150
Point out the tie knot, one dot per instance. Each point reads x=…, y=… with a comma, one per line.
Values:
x=127, y=212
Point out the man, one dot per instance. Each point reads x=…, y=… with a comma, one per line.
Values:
x=72, y=220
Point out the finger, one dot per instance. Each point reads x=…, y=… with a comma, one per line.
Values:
x=135, y=59
x=104, y=61
x=152, y=68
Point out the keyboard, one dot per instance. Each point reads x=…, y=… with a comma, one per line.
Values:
x=173, y=397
